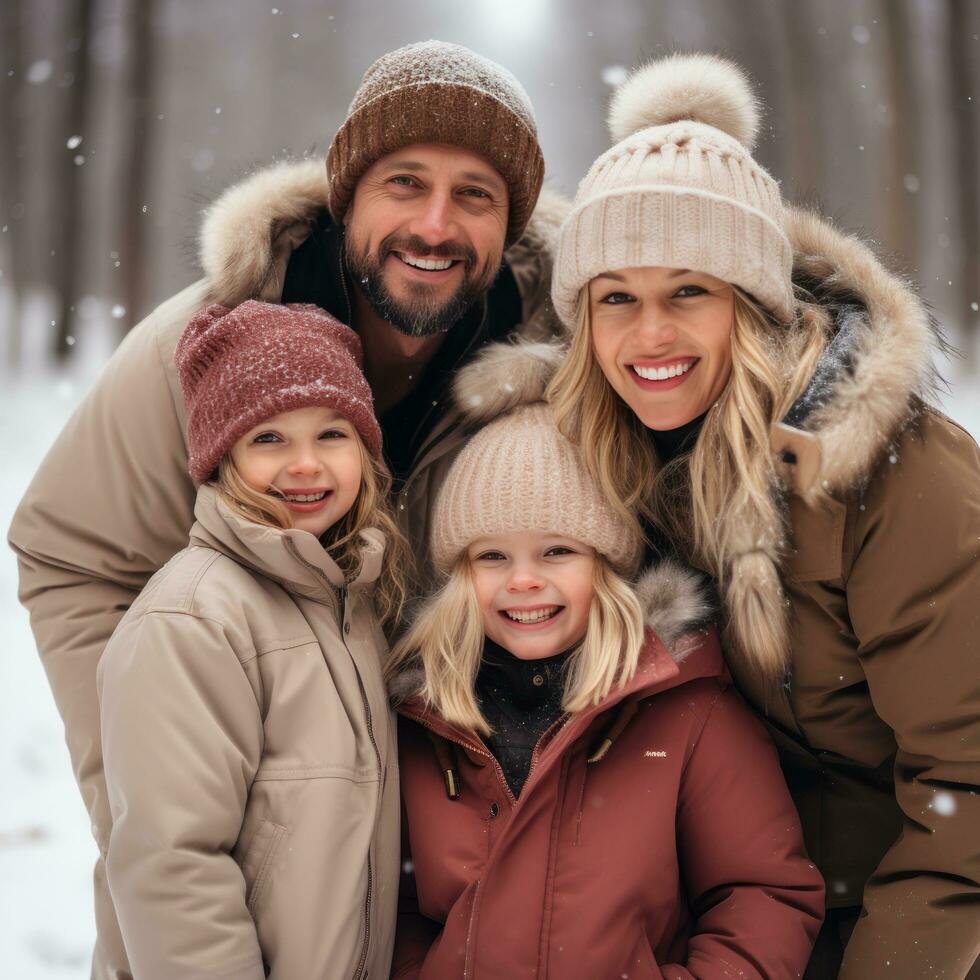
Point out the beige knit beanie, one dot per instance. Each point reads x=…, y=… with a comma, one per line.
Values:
x=433, y=92
x=519, y=473
x=680, y=189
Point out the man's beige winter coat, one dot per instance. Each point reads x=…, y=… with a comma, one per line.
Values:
x=112, y=501
x=250, y=762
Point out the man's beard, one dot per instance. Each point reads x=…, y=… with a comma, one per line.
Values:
x=420, y=313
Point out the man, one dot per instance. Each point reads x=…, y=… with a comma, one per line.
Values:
x=423, y=237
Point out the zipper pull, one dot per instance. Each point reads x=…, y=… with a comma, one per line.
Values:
x=342, y=610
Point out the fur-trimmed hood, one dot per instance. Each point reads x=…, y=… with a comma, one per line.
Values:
x=250, y=231
x=878, y=366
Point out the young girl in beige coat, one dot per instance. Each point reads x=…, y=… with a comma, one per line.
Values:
x=249, y=752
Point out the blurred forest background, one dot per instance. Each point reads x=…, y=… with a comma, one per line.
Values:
x=122, y=119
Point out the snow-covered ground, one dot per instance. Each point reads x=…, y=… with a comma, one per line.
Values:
x=46, y=848
x=46, y=851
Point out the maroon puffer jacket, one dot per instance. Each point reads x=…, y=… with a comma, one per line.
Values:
x=675, y=851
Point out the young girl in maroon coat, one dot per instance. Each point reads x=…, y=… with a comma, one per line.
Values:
x=586, y=796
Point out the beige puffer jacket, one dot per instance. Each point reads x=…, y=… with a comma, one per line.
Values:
x=250, y=762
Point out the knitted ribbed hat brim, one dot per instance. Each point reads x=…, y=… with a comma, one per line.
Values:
x=216, y=434
x=420, y=113
x=673, y=227
x=239, y=368
x=520, y=474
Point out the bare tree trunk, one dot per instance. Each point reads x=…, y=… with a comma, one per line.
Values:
x=965, y=116
x=136, y=157
x=11, y=171
x=68, y=219
x=901, y=137
x=803, y=84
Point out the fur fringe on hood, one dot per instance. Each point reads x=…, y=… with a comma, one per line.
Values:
x=250, y=230
x=677, y=605
x=880, y=363
x=243, y=226
x=504, y=376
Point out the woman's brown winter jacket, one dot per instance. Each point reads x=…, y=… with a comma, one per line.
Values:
x=878, y=721
x=250, y=762
x=654, y=837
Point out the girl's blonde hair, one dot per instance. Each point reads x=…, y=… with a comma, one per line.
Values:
x=703, y=501
x=446, y=639
x=341, y=541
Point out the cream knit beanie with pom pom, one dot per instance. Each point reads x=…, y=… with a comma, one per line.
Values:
x=519, y=473
x=680, y=189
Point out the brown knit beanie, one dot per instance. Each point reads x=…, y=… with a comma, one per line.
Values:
x=680, y=190
x=519, y=473
x=433, y=92
x=239, y=367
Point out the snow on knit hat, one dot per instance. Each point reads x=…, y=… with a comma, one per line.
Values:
x=519, y=473
x=680, y=189
x=433, y=92
x=240, y=367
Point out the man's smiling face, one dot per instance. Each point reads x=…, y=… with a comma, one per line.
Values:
x=425, y=235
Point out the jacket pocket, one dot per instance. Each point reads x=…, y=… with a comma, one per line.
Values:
x=257, y=864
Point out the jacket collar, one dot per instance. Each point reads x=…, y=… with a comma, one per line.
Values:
x=293, y=558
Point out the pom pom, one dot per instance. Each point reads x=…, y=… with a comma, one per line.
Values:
x=697, y=87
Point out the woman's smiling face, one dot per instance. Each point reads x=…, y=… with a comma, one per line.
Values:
x=663, y=340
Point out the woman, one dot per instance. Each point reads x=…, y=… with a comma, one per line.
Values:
x=752, y=382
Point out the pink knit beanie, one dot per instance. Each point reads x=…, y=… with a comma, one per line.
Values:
x=519, y=473
x=680, y=189
x=239, y=367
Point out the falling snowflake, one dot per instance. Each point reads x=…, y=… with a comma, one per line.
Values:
x=944, y=803
x=119, y=311
x=74, y=142
x=860, y=34
x=614, y=75
x=39, y=72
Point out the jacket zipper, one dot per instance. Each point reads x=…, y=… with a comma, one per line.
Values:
x=474, y=911
x=341, y=594
x=546, y=735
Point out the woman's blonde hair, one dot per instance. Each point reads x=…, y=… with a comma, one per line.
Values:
x=341, y=541
x=703, y=501
x=446, y=640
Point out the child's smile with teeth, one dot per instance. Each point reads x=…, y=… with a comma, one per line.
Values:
x=534, y=590
x=531, y=615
